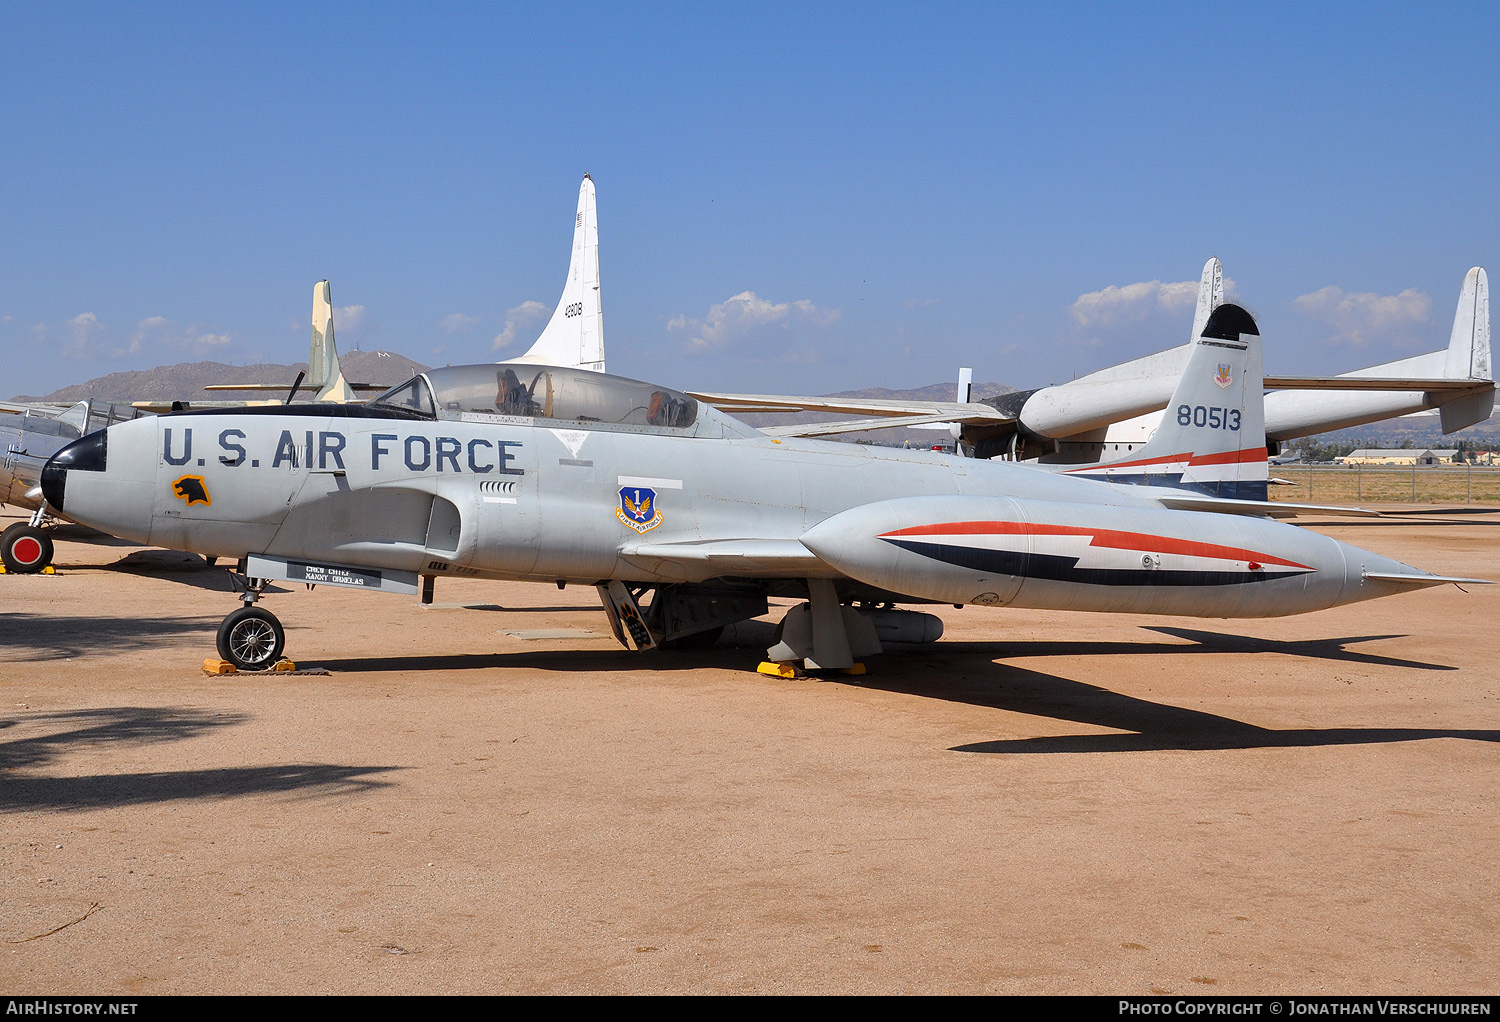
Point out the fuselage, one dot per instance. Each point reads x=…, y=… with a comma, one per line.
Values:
x=521, y=491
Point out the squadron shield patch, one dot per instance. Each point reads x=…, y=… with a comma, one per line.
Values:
x=191, y=490
x=638, y=508
x=1225, y=375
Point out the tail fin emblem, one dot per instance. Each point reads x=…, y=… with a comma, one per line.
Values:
x=1225, y=376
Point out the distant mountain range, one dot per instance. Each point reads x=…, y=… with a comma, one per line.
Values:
x=186, y=380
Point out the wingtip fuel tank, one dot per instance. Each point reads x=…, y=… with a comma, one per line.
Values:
x=1007, y=551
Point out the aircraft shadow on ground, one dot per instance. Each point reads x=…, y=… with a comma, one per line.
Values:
x=1209, y=643
x=175, y=566
x=751, y=639
x=34, y=637
x=131, y=725
x=969, y=673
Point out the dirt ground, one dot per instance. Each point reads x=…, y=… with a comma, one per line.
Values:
x=490, y=796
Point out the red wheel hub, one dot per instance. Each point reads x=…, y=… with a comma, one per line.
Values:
x=27, y=550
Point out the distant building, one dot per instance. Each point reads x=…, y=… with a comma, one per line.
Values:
x=1399, y=456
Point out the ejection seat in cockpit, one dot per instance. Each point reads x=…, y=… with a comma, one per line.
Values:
x=511, y=397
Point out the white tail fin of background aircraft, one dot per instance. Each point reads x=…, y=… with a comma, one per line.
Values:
x=1457, y=380
x=1210, y=296
x=574, y=336
x=323, y=371
x=1469, y=344
x=1469, y=353
x=1212, y=436
x=324, y=377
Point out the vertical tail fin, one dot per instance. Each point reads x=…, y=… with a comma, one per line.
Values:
x=574, y=336
x=1469, y=353
x=964, y=396
x=1469, y=344
x=965, y=385
x=1212, y=437
x=323, y=371
x=1210, y=296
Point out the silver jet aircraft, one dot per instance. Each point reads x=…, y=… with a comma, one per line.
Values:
x=683, y=518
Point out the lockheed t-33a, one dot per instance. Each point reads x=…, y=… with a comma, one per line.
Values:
x=685, y=519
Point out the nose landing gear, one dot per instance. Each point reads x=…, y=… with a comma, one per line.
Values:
x=251, y=638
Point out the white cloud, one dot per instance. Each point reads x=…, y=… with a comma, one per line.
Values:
x=457, y=322
x=351, y=319
x=747, y=318
x=1115, y=305
x=160, y=332
x=521, y=315
x=84, y=328
x=1358, y=317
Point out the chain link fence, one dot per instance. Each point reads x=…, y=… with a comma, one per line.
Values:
x=1409, y=484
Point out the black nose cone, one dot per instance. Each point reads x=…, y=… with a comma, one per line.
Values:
x=86, y=455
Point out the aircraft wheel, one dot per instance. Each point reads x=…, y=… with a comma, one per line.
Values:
x=251, y=639
x=24, y=549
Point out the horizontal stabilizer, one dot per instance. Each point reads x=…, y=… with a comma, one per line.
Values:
x=1421, y=579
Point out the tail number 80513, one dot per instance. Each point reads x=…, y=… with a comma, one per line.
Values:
x=1211, y=418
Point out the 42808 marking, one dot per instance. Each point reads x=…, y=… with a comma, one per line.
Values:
x=1208, y=417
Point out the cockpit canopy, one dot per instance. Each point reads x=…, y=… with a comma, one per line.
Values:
x=492, y=393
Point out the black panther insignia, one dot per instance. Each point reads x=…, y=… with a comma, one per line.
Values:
x=191, y=490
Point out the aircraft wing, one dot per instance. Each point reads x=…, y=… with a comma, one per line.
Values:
x=953, y=411
x=1182, y=501
x=1370, y=383
x=22, y=407
x=372, y=387
x=859, y=425
x=703, y=559
x=881, y=413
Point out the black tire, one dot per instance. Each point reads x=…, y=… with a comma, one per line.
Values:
x=251, y=639
x=25, y=550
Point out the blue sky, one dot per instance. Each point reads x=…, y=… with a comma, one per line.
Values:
x=824, y=196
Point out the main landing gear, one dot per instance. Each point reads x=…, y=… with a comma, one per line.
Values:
x=251, y=638
x=25, y=549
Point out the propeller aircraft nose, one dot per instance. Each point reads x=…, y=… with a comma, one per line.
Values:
x=89, y=454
